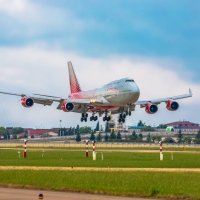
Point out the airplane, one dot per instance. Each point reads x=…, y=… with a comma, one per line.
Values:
x=117, y=97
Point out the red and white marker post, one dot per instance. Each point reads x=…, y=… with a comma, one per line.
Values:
x=25, y=143
x=161, y=150
x=93, y=150
x=86, y=148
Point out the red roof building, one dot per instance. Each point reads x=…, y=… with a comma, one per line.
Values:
x=185, y=126
x=35, y=133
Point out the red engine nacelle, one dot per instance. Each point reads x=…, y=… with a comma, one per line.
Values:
x=27, y=102
x=67, y=106
x=172, y=105
x=151, y=108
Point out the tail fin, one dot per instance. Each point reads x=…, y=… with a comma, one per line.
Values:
x=74, y=85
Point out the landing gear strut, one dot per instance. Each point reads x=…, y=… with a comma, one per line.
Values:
x=128, y=113
x=84, y=117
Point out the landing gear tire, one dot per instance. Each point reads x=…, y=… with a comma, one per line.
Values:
x=93, y=118
x=122, y=117
x=106, y=118
x=84, y=117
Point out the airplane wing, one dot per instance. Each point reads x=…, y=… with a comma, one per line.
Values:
x=86, y=103
x=48, y=100
x=160, y=100
x=37, y=99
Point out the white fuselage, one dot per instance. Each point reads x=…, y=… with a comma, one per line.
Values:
x=117, y=93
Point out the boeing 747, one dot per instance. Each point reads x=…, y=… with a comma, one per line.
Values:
x=117, y=97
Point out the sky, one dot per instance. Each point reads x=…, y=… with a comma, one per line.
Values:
x=156, y=42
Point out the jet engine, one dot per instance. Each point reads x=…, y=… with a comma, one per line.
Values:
x=27, y=102
x=67, y=106
x=151, y=108
x=172, y=105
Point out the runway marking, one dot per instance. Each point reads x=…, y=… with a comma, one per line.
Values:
x=97, y=169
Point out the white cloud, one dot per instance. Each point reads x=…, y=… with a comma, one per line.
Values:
x=41, y=70
x=13, y=6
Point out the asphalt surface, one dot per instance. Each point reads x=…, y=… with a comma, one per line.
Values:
x=25, y=194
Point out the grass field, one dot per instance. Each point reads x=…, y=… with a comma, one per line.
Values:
x=149, y=184
x=156, y=184
x=110, y=159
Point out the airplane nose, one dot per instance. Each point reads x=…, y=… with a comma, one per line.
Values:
x=135, y=90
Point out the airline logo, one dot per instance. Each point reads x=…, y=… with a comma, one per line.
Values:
x=74, y=85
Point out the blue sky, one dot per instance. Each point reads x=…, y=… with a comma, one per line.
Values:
x=102, y=28
x=161, y=32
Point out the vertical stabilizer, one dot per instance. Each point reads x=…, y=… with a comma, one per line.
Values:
x=74, y=85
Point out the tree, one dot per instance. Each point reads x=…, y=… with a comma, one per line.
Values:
x=99, y=138
x=92, y=137
x=17, y=130
x=85, y=129
x=149, y=138
x=140, y=137
x=78, y=137
x=113, y=136
x=158, y=138
x=133, y=136
x=107, y=130
x=153, y=138
x=106, y=137
x=119, y=136
x=2, y=131
x=97, y=127
x=77, y=129
x=169, y=140
x=147, y=129
x=187, y=140
x=140, y=123
x=180, y=136
x=162, y=126
x=197, y=138
x=198, y=135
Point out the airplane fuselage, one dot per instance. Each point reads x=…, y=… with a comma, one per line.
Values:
x=117, y=93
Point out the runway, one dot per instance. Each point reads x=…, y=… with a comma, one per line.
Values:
x=36, y=168
x=26, y=194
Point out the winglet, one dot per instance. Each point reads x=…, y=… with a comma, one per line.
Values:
x=74, y=84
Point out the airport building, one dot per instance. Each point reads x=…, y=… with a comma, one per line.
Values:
x=185, y=126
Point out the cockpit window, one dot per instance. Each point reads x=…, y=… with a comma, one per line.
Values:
x=130, y=80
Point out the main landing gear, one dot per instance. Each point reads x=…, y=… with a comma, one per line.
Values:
x=93, y=118
x=106, y=118
x=122, y=116
x=84, y=117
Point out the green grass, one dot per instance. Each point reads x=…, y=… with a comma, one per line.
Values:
x=111, y=159
x=149, y=184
